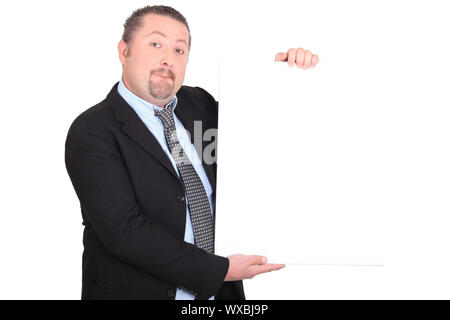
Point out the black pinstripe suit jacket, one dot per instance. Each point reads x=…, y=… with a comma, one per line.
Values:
x=133, y=206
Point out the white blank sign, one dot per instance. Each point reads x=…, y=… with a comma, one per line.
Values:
x=303, y=162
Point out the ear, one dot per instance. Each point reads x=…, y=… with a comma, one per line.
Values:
x=122, y=48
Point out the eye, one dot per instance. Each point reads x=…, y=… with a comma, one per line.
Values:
x=180, y=51
x=155, y=44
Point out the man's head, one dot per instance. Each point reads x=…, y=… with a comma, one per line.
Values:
x=154, y=52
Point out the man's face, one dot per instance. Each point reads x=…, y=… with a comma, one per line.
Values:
x=154, y=61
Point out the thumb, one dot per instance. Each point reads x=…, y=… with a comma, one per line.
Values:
x=281, y=56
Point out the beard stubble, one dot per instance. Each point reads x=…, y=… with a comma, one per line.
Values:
x=163, y=88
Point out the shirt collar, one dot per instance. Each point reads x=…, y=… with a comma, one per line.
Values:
x=138, y=104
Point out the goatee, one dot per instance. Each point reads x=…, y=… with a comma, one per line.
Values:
x=161, y=89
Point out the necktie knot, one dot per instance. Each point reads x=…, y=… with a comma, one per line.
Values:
x=166, y=116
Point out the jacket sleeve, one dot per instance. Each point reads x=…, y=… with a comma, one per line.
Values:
x=101, y=182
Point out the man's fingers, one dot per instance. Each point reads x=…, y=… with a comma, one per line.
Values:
x=308, y=58
x=314, y=60
x=281, y=56
x=291, y=57
x=258, y=269
x=248, y=266
x=300, y=59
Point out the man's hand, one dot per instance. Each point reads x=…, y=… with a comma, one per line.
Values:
x=246, y=267
x=302, y=58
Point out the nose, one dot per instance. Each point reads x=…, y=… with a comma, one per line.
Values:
x=166, y=59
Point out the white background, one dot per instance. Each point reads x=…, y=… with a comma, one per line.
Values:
x=59, y=58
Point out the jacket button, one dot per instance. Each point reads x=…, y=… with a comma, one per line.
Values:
x=181, y=198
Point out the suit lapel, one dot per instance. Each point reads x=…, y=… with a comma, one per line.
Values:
x=136, y=129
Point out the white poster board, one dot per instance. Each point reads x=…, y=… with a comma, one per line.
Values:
x=303, y=162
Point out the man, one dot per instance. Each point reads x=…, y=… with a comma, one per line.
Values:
x=147, y=197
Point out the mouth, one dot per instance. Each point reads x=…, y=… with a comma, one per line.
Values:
x=163, y=76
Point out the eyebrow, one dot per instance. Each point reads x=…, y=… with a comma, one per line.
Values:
x=162, y=34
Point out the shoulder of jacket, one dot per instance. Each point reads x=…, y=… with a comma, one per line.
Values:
x=94, y=117
x=197, y=93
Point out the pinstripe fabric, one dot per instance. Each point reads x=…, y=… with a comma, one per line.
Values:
x=133, y=205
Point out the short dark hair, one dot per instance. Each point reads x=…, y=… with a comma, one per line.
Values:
x=133, y=22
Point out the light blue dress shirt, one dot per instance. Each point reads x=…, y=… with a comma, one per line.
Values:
x=145, y=111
